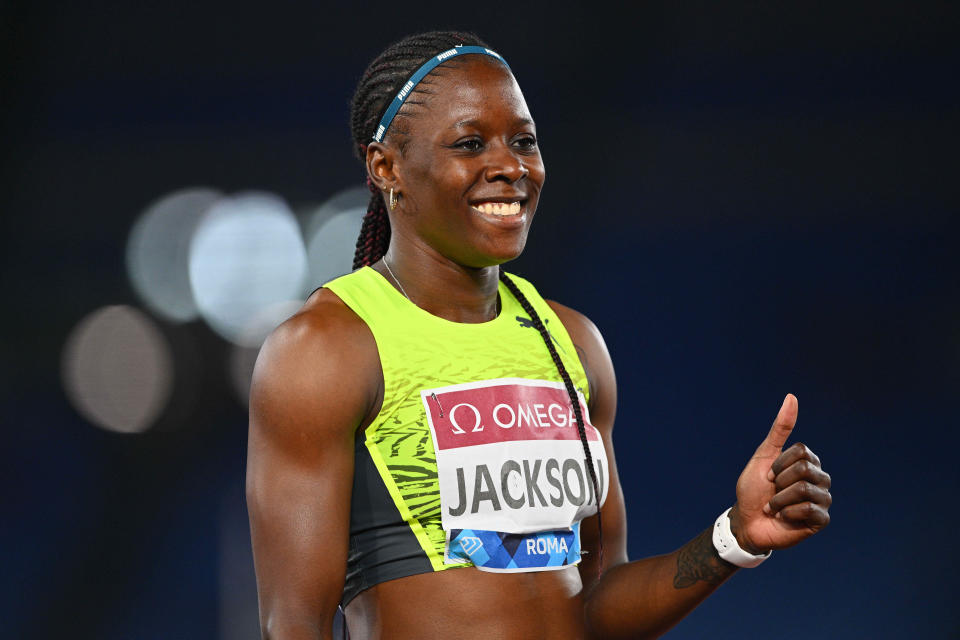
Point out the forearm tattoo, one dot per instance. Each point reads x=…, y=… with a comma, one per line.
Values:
x=698, y=560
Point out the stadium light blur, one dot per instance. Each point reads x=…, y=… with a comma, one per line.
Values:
x=117, y=369
x=246, y=255
x=332, y=234
x=158, y=252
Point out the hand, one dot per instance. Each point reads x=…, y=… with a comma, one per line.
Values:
x=782, y=497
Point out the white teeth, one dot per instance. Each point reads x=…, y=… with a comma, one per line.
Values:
x=498, y=208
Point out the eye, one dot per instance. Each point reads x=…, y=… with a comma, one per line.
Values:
x=526, y=142
x=470, y=144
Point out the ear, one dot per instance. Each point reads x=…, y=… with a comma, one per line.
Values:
x=381, y=166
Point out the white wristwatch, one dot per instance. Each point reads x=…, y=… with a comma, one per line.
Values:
x=726, y=545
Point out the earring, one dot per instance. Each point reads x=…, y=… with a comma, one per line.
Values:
x=393, y=202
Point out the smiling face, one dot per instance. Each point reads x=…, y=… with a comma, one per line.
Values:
x=470, y=172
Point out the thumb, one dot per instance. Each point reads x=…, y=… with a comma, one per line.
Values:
x=782, y=426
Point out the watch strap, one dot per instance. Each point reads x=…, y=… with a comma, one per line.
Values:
x=729, y=549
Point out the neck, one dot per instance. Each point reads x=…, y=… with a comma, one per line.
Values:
x=442, y=287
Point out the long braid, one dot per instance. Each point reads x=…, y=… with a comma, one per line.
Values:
x=379, y=84
x=571, y=391
x=375, y=233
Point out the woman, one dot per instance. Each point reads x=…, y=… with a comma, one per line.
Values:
x=427, y=434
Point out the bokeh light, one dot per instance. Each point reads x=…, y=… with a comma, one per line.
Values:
x=247, y=254
x=117, y=369
x=332, y=234
x=158, y=252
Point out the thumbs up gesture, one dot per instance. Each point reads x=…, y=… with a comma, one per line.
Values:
x=782, y=496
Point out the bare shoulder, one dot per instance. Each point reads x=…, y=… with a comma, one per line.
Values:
x=582, y=330
x=322, y=361
x=586, y=338
x=324, y=325
x=596, y=362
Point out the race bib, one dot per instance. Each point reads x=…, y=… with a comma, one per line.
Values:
x=512, y=472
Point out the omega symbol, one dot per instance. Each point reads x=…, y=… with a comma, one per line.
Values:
x=477, y=425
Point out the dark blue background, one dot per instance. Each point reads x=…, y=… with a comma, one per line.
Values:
x=747, y=198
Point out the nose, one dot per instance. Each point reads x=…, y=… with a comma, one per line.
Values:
x=505, y=164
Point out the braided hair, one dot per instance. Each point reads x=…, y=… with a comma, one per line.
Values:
x=381, y=81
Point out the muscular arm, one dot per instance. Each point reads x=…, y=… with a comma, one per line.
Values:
x=644, y=598
x=313, y=386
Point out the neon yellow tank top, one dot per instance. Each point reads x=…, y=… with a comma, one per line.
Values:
x=475, y=442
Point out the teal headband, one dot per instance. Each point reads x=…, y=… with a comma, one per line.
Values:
x=421, y=73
